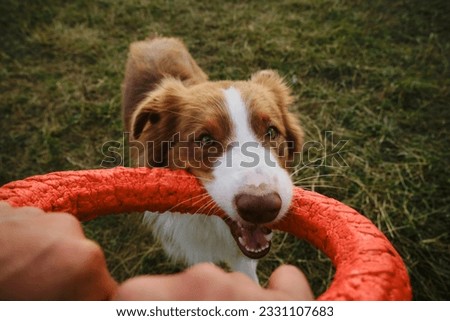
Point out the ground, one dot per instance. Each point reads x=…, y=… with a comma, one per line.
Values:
x=371, y=80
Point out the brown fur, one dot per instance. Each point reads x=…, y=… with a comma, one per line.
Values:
x=151, y=61
x=169, y=103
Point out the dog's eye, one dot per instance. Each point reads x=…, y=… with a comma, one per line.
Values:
x=272, y=132
x=206, y=140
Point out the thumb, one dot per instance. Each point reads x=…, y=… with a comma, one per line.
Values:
x=292, y=282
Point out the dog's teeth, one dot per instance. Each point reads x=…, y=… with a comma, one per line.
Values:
x=260, y=249
x=241, y=240
x=269, y=237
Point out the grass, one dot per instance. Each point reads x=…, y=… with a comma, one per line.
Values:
x=375, y=74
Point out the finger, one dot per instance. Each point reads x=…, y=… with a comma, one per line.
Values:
x=4, y=206
x=291, y=281
x=200, y=282
x=7, y=211
x=151, y=288
x=99, y=282
x=65, y=223
x=86, y=273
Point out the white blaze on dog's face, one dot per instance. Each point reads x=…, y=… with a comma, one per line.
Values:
x=249, y=184
x=237, y=138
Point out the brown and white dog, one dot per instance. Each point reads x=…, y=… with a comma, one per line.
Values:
x=236, y=137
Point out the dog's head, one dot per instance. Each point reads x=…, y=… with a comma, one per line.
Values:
x=238, y=138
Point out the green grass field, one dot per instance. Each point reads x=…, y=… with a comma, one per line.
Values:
x=373, y=73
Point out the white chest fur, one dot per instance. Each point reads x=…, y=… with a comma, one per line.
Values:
x=195, y=238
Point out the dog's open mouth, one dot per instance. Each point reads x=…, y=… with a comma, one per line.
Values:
x=252, y=239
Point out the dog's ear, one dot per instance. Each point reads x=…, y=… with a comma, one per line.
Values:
x=282, y=94
x=159, y=107
x=155, y=123
x=145, y=116
x=272, y=81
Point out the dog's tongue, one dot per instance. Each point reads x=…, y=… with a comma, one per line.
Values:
x=253, y=240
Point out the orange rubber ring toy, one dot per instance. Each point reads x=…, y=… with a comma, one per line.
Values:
x=367, y=265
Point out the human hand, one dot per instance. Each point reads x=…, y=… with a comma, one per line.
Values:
x=47, y=257
x=208, y=282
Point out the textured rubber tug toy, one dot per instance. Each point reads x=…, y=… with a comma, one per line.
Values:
x=367, y=265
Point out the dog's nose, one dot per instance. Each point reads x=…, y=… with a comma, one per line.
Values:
x=258, y=209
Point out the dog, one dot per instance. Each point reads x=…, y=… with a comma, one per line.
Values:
x=237, y=137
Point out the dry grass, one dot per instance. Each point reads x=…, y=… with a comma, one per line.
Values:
x=372, y=73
